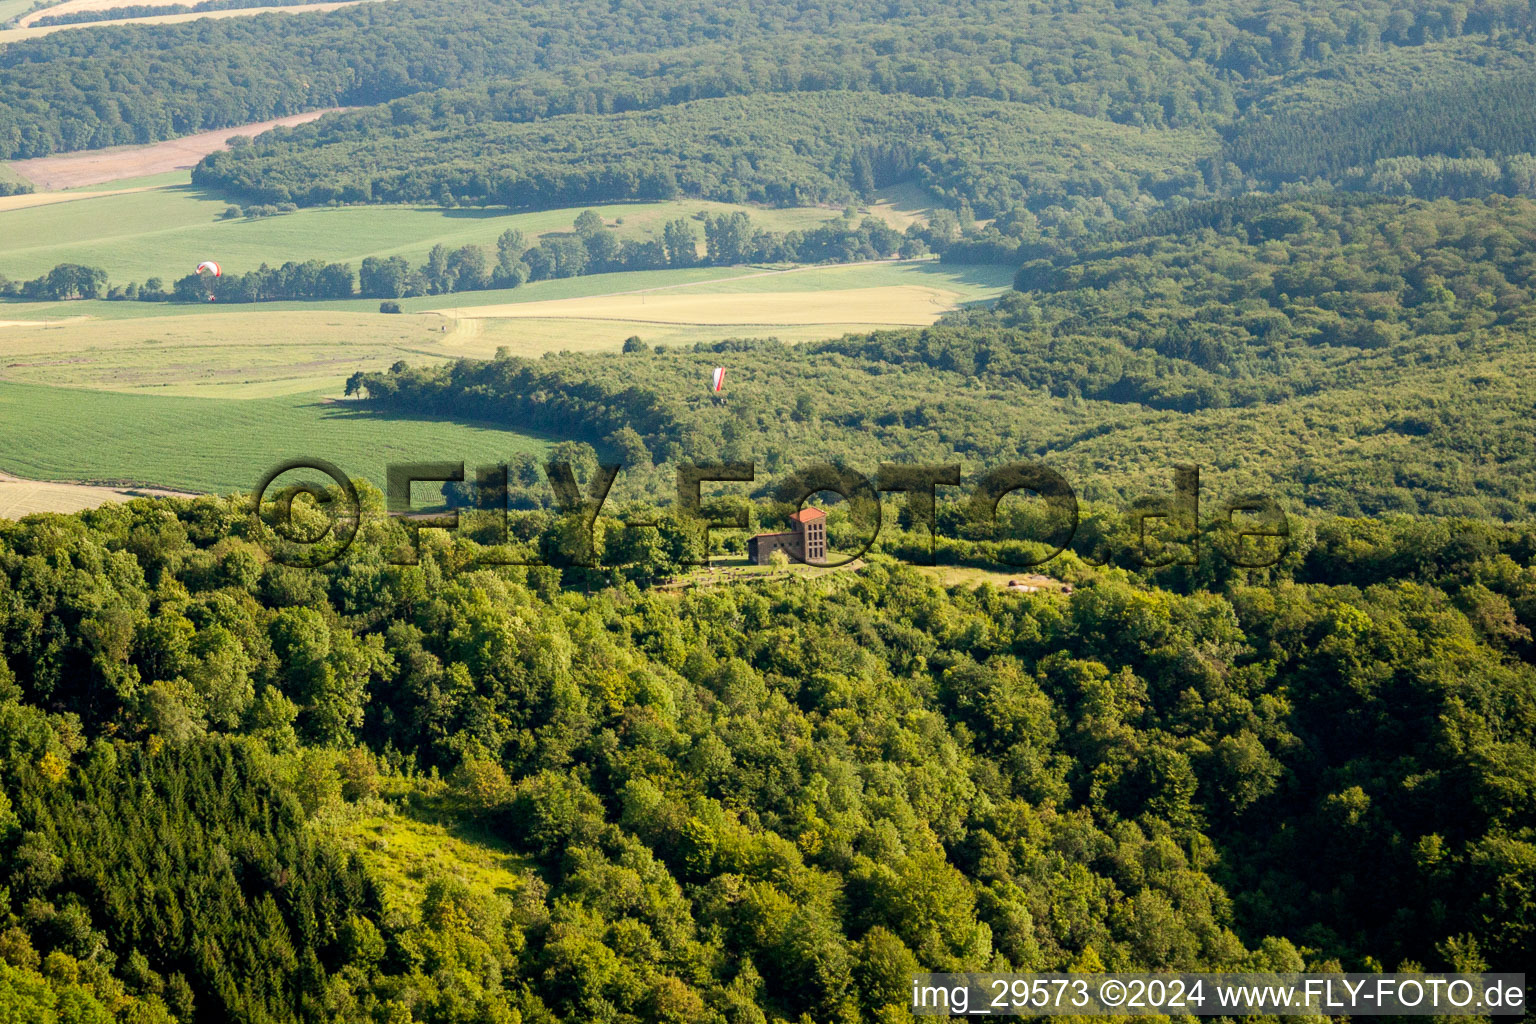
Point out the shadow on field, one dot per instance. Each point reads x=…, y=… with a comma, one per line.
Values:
x=353, y=409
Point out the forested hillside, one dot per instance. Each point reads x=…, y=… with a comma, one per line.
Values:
x=828, y=148
x=1447, y=118
x=1474, y=118
x=1166, y=66
x=748, y=803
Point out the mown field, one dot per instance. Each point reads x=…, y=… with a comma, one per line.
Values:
x=801, y=304
x=267, y=349
x=20, y=498
x=109, y=167
x=240, y=353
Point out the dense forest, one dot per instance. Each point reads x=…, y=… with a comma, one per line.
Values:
x=1461, y=128
x=801, y=150
x=1067, y=55
x=1170, y=66
x=745, y=802
x=1478, y=117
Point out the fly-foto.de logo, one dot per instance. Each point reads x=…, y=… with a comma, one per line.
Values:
x=1163, y=529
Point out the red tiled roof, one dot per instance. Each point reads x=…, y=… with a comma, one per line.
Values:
x=809, y=514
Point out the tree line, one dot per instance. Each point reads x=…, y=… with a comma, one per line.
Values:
x=592, y=248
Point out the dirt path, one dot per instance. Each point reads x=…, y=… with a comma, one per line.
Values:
x=16, y=35
x=42, y=323
x=95, y=166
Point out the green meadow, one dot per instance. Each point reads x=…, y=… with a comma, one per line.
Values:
x=217, y=445
x=13, y=9
x=166, y=231
x=216, y=394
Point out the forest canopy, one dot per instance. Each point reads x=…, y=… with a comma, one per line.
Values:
x=748, y=801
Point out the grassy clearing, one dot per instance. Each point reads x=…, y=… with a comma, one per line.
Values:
x=209, y=444
x=164, y=233
x=971, y=577
x=404, y=852
x=736, y=569
x=902, y=205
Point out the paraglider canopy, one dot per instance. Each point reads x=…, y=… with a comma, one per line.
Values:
x=717, y=379
x=210, y=266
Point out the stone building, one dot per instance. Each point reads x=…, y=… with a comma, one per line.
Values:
x=805, y=541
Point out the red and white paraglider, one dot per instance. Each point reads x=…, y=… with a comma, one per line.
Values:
x=717, y=379
x=210, y=267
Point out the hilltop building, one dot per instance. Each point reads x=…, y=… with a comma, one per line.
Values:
x=806, y=540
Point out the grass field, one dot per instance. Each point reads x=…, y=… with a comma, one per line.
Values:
x=248, y=353
x=208, y=397
x=28, y=200
x=13, y=8
x=165, y=232
x=150, y=398
x=272, y=349
x=209, y=444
